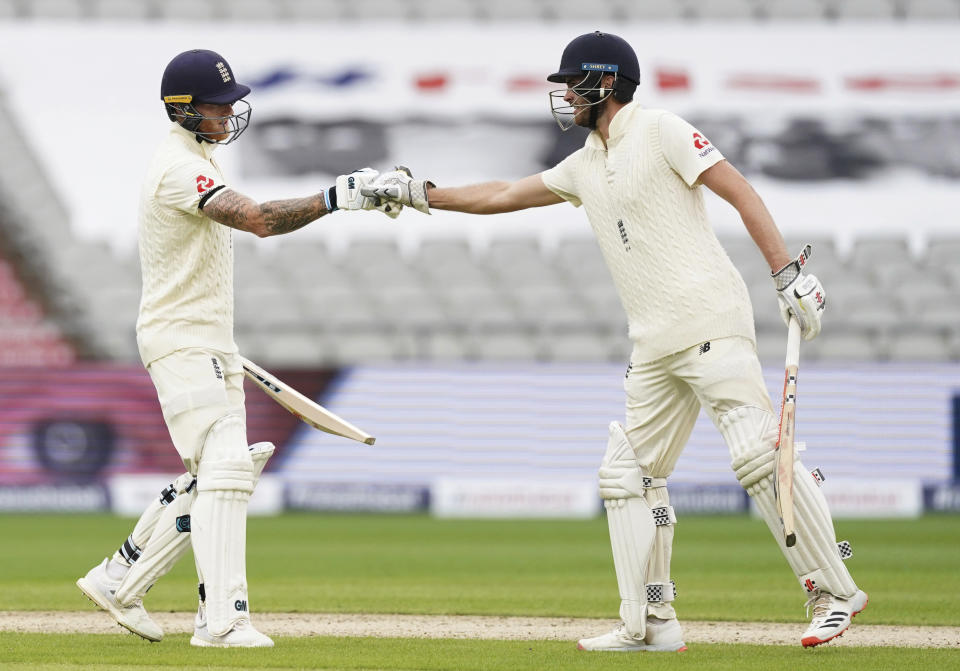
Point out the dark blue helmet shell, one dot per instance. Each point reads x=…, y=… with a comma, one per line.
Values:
x=204, y=76
x=598, y=52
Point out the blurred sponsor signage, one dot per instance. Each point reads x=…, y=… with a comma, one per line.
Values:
x=873, y=498
x=130, y=494
x=944, y=498
x=455, y=497
x=356, y=497
x=53, y=498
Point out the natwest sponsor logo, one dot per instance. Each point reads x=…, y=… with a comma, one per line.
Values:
x=203, y=184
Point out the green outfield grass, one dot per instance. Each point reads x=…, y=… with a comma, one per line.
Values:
x=39, y=651
x=726, y=568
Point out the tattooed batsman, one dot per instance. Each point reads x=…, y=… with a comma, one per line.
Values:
x=188, y=213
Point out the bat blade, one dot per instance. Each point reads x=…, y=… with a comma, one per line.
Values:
x=783, y=483
x=302, y=407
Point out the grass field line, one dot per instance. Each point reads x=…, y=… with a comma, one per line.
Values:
x=485, y=627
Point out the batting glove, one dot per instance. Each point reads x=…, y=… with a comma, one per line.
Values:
x=399, y=185
x=800, y=295
x=347, y=194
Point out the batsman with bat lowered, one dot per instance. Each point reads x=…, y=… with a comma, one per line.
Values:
x=185, y=336
x=639, y=178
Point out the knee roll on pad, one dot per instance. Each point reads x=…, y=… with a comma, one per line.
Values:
x=633, y=528
x=815, y=559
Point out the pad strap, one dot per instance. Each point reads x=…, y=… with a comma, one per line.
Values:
x=661, y=592
x=663, y=516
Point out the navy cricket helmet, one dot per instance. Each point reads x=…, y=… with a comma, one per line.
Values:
x=203, y=76
x=587, y=59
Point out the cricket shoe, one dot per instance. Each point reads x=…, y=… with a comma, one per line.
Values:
x=102, y=591
x=831, y=616
x=242, y=635
x=661, y=636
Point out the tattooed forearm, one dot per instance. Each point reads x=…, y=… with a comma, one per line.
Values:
x=283, y=216
x=271, y=218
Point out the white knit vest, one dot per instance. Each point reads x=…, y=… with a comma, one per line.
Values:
x=677, y=285
x=186, y=259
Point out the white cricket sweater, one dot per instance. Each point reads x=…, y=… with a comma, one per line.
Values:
x=676, y=283
x=186, y=258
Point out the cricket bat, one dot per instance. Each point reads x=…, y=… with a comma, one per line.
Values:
x=783, y=484
x=299, y=405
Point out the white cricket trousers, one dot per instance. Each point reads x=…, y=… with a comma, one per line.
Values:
x=197, y=387
x=665, y=396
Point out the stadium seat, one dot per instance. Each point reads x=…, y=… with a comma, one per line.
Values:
x=336, y=309
x=411, y=308
x=942, y=251
x=845, y=344
x=188, y=10
x=510, y=10
x=111, y=10
x=938, y=313
x=575, y=347
x=870, y=252
x=652, y=10
x=918, y=343
x=858, y=10
x=515, y=262
x=579, y=262
x=550, y=307
x=287, y=349
x=366, y=348
x=930, y=9
x=724, y=10
x=481, y=309
x=449, y=265
x=56, y=9
x=507, y=347
x=744, y=254
x=604, y=307
x=444, y=346
x=792, y=10
x=268, y=305
x=255, y=10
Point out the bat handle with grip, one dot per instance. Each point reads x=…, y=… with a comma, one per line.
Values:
x=793, y=343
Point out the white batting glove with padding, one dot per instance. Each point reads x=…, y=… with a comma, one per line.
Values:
x=398, y=185
x=800, y=295
x=347, y=194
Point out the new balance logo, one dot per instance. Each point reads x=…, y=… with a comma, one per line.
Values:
x=704, y=348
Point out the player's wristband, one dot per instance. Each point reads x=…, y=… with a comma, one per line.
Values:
x=330, y=199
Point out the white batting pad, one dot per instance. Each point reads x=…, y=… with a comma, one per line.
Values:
x=169, y=541
x=171, y=536
x=219, y=522
x=129, y=553
x=659, y=588
x=815, y=559
x=632, y=527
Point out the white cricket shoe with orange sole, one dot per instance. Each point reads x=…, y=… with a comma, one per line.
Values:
x=831, y=616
